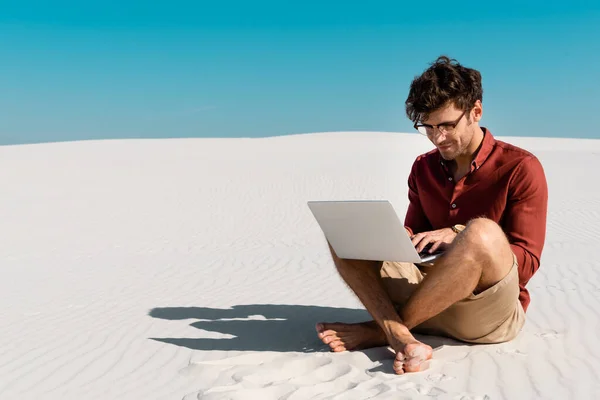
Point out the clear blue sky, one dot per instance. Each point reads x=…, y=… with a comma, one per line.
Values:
x=88, y=69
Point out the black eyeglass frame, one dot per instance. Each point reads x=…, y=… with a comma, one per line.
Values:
x=451, y=125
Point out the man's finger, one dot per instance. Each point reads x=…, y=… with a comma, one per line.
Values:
x=435, y=246
x=417, y=238
x=424, y=242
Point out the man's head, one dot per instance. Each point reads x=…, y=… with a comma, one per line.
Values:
x=444, y=103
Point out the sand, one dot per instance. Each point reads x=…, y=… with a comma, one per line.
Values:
x=193, y=269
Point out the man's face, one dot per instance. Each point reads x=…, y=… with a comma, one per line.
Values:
x=457, y=141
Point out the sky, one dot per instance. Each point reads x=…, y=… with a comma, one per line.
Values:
x=135, y=69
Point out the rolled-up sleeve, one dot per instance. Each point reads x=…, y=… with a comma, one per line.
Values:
x=526, y=213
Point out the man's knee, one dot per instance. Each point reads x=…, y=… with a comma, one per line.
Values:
x=490, y=248
x=486, y=236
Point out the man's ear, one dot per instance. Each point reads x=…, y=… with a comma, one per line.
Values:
x=477, y=111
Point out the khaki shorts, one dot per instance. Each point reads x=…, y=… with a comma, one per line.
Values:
x=492, y=316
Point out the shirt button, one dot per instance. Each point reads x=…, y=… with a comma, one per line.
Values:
x=450, y=179
x=453, y=205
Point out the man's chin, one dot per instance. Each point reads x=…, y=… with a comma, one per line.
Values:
x=447, y=155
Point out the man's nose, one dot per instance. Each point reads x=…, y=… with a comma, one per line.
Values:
x=438, y=137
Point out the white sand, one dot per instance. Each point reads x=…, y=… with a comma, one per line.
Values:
x=192, y=269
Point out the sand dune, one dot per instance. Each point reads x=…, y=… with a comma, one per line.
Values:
x=192, y=269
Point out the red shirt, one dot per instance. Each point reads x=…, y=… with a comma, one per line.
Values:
x=506, y=184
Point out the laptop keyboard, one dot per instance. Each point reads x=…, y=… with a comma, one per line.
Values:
x=425, y=251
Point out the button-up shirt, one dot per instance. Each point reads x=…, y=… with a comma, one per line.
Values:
x=505, y=184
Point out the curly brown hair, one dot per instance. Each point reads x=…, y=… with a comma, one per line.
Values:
x=443, y=82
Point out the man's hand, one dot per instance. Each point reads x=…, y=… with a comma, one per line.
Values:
x=439, y=239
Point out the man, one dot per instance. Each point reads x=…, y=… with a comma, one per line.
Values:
x=481, y=200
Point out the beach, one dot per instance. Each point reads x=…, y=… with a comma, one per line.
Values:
x=193, y=269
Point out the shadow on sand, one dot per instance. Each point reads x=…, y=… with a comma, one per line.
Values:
x=265, y=327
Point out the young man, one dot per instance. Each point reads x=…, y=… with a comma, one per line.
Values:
x=481, y=200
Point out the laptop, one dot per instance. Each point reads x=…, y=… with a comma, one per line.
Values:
x=367, y=230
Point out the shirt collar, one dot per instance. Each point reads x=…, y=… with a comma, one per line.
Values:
x=487, y=145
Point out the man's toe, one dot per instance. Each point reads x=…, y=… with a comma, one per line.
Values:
x=330, y=338
x=339, y=348
x=327, y=333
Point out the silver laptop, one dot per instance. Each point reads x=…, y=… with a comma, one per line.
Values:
x=366, y=230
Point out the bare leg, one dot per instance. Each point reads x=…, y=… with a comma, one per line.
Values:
x=363, y=277
x=478, y=259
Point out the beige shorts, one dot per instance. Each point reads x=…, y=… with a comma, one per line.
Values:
x=492, y=316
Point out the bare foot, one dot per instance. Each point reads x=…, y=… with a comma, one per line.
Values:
x=414, y=357
x=342, y=337
x=411, y=355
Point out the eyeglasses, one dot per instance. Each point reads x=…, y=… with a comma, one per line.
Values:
x=446, y=128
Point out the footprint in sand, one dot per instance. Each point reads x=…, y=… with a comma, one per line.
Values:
x=425, y=390
x=515, y=352
x=549, y=335
x=470, y=396
x=437, y=378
